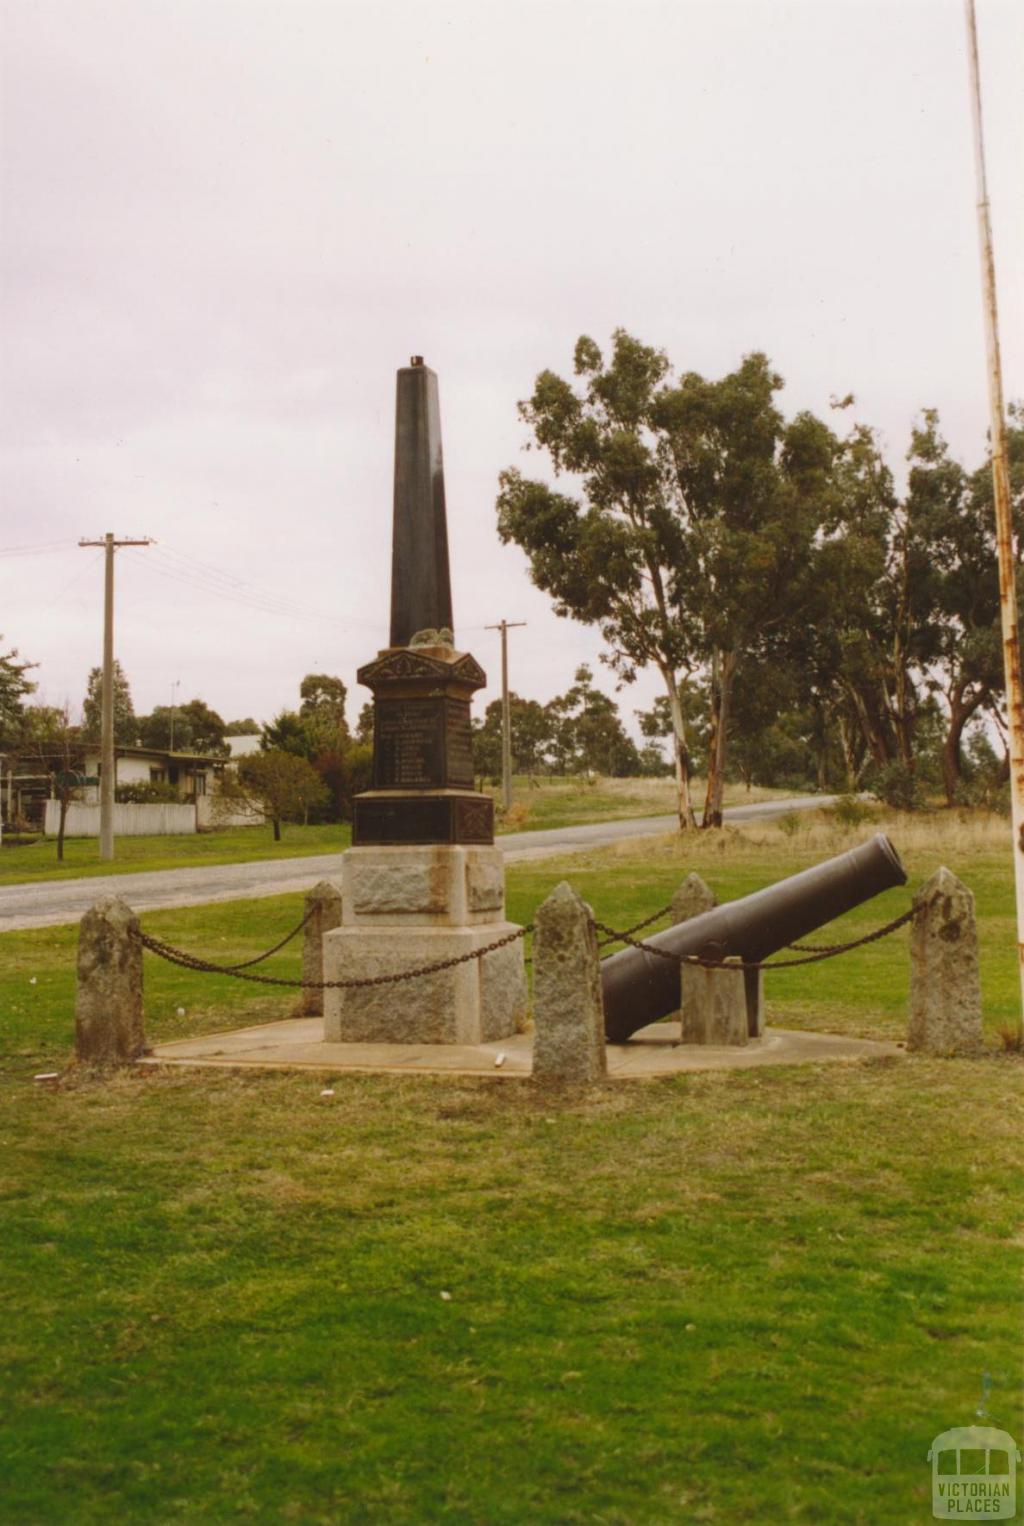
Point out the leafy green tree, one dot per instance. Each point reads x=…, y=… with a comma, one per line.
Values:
x=323, y=696
x=245, y=728
x=287, y=732
x=608, y=557
x=192, y=727
x=531, y=737
x=126, y=727
x=692, y=546
x=364, y=725
x=48, y=738
x=287, y=787
x=953, y=518
x=587, y=733
x=14, y=686
x=752, y=493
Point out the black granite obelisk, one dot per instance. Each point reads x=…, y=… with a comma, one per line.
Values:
x=421, y=593
x=422, y=746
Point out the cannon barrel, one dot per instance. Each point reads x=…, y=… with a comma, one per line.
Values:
x=640, y=988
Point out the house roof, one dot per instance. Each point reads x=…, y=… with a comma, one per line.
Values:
x=163, y=754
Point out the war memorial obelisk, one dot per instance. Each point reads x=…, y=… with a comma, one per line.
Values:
x=423, y=881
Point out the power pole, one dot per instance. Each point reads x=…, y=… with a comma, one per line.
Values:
x=506, y=711
x=107, y=763
x=174, y=689
x=1001, y=494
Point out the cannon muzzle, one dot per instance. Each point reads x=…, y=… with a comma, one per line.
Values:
x=639, y=988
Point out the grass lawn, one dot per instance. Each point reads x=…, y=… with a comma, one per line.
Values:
x=233, y=845
x=734, y=1297
x=553, y=803
x=569, y=802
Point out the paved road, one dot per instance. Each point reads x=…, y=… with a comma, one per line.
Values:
x=55, y=901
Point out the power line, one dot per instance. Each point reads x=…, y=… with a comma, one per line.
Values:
x=44, y=548
x=178, y=568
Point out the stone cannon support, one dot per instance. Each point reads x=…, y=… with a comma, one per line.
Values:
x=716, y=1006
x=323, y=907
x=568, y=1016
x=945, y=993
x=108, y=1001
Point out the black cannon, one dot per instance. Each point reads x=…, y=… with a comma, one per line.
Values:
x=639, y=988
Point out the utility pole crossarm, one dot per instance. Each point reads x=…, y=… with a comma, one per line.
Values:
x=506, y=711
x=147, y=540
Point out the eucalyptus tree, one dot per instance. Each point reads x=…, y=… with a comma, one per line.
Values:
x=751, y=494
x=952, y=518
x=608, y=557
x=692, y=546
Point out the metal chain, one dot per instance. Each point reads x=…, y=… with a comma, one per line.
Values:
x=815, y=954
x=828, y=952
x=246, y=963
x=205, y=966
x=637, y=927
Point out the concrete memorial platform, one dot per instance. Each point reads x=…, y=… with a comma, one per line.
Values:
x=298, y=1044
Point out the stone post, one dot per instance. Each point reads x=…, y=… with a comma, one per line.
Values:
x=691, y=899
x=568, y=1014
x=108, y=1001
x=715, y=1006
x=323, y=907
x=945, y=993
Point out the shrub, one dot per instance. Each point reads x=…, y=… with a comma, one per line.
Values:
x=850, y=811
x=516, y=817
x=896, y=785
x=789, y=825
x=147, y=794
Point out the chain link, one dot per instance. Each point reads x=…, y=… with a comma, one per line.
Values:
x=637, y=927
x=245, y=964
x=826, y=952
x=815, y=953
x=207, y=967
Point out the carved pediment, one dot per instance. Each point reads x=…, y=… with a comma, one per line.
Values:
x=468, y=671
x=405, y=663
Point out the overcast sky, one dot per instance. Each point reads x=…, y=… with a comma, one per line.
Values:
x=227, y=224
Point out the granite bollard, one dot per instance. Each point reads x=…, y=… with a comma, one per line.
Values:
x=568, y=1014
x=108, y=999
x=323, y=908
x=692, y=898
x=945, y=992
x=713, y=1004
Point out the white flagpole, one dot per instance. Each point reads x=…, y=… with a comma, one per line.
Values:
x=1001, y=493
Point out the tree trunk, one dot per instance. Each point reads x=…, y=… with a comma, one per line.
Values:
x=723, y=669
x=681, y=754
x=61, y=822
x=960, y=713
x=871, y=726
x=277, y=828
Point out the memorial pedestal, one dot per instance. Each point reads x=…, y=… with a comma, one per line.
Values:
x=422, y=882
x=404, y=907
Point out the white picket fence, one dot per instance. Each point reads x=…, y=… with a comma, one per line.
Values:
x=129, y=820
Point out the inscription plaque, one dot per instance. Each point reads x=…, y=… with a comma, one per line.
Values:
x=423, y=819
x=409, y=751
x=423, y=744
x=458, y=744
